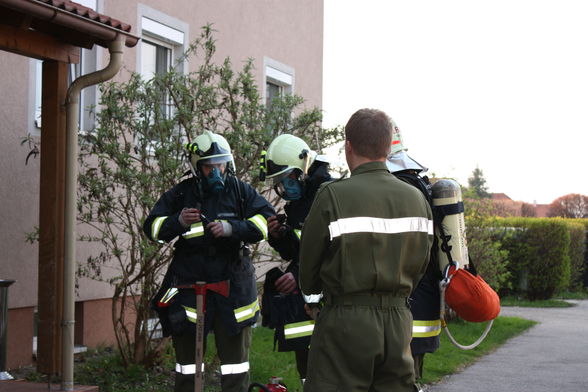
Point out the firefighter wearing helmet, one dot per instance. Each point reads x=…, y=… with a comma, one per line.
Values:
x=296, y=173
x=211, y=216
x=425, y=298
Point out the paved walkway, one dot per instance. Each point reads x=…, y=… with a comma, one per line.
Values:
x=551, y=356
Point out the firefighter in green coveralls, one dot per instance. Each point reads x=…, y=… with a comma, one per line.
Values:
x=365, y=245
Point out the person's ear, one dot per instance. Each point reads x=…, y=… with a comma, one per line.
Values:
x=348, y=147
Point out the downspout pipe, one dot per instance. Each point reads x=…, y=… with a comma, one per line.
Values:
x=69, y=268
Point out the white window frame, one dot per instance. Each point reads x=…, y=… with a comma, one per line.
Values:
x=277, y=73
x=164, y=30
x=156, y=42
x=161, y=29
x=89, y=62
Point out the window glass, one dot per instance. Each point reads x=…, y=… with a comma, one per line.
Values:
x=38, y=91
x=272, y=91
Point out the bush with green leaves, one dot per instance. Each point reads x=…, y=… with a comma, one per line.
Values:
x=539, y=255
x=484, y=247
x=135, y=154
x=577, y=252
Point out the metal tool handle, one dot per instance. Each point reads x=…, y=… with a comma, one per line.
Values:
x=198, y=376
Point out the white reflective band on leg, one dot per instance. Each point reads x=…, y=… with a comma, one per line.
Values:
x=302, y=330
x=236, y=368
x=191, y=314
x=246, y=312
x=187, y=369
x=426, y=328
x=366, y=224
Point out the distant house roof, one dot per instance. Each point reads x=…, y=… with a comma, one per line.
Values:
x=500, y=196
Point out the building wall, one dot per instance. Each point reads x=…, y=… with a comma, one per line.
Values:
x=283, y=31
x=19, y=350
x=94, y=323
x=19, y=193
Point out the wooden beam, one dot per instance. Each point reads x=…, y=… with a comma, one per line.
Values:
x=51, y=217
x=38, y=45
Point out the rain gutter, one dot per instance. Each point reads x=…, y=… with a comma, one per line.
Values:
x=72, y=120
x=52, y=14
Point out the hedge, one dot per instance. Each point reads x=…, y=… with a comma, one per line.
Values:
x=577, y=251
x=539, y=254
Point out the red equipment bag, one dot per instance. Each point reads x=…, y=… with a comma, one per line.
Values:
x=470, y=296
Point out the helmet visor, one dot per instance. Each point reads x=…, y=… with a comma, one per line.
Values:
x=278, y=178
x=216, y=159
x=274, y=170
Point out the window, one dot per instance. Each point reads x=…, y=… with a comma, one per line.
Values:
x=88, y=98
x=38, y=77
x=272, y=91
x=155, y=59
x=89, y=95
x=162, y=44
x=279, y=80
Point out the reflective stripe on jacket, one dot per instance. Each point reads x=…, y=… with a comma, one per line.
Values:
x=369, y=233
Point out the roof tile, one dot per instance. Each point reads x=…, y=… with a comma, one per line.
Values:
x=88, y=13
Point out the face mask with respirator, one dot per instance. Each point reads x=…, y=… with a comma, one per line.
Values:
x=215, y=182
x=289, y=189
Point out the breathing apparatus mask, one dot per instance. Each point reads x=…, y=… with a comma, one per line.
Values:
x=215, y=181
x=289, y=188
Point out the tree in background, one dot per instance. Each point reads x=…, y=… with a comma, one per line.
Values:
x=528, y=210
x=135, y=154
x=477, y=185
x=573, y=205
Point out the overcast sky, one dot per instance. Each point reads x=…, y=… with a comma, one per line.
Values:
x=501, y=84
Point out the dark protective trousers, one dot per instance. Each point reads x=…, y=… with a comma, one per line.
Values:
x=362, y=343
x=233, y=352
x=419, y=360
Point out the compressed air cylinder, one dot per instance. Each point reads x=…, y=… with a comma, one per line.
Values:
x=447, y=199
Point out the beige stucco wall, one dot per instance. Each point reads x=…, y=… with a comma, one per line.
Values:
x=19, y=194
x=290, y=32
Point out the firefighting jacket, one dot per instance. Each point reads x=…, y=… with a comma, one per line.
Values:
x=371, y=233
x=286, y=313
x=425, y=298
x=198, y=256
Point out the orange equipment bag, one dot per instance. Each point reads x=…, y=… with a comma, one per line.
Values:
x=470, y=296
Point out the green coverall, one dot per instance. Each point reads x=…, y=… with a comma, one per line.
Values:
x=365, y=244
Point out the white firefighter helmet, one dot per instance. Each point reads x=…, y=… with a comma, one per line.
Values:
x=397, y=143
x=285, y=154
x=209, y=148
x=398, y=159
